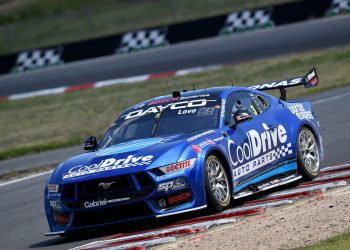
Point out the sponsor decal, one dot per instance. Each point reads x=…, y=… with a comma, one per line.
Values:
x=178, y=166
x=163, y=101
x=206, y=111
x=311, y=75
x=103, y=202
x=118, y=200
x=260, y=150
x=55, y=205
x=108, y=165
x=196, y=149
x=170, y=175
x=187, y=111
x=193, y=138
x=105, y=185
x=98, y=203
x=300, y=112
x=162, y=203
x=284, y=83
x=205, y=143
x=194, y=96
x=179, y=198
x=223, y=106
x=176, y=184
x=277, y=181
x=218, y=139
x=52, y=188
x=172, y=106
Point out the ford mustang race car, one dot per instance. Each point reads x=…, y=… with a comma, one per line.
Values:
x=185, y=152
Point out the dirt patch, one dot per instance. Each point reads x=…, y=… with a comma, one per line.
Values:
x=303, y=223
x=24, y=173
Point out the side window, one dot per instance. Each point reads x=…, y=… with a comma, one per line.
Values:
x=261, y=103
x=238, y=101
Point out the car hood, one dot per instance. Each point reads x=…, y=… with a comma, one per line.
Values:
x=125, y=158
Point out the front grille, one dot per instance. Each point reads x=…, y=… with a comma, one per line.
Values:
x=118, y=185
x=68, y=192
x=112, y=214
x=133, y=186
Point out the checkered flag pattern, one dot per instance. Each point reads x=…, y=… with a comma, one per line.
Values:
x=142, y=39
x=247, y=20
x=283, y=151
x=339, y=7
x=36, y=59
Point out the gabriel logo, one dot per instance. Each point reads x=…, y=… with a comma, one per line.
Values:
x=105, y=185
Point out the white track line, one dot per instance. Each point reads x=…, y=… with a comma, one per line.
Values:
x=330, y=99
x=24, y=178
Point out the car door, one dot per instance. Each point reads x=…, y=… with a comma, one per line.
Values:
x=251, y=142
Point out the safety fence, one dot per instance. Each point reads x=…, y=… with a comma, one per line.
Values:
x=145, y=39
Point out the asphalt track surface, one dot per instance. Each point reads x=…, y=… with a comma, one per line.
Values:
x=292, y=38
x=22, y=217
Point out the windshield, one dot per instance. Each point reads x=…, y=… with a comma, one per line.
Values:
x=173, y=118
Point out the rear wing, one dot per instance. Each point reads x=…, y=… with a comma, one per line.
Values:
x=308, y=81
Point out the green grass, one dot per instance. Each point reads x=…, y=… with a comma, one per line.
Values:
x=49, y=122
x=37, y=23
x=339, y=242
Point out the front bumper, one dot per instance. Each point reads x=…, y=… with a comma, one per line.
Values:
x=146, y=199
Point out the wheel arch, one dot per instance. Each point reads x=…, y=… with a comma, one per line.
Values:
x=221, y=156
x=315, y=131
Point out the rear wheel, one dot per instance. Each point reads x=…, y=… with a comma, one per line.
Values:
x=217, y=184
x=308, y=154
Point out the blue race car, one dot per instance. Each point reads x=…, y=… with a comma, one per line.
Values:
x=184, y=152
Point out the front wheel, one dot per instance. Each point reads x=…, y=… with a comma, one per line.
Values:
x=217, y=184
x=308, y=154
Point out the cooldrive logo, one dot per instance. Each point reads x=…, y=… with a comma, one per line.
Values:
x=173, y=106
x=260, y=149
x=109, y=164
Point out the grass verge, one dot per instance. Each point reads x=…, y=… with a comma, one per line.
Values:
x=49, y=122
x=339, y=242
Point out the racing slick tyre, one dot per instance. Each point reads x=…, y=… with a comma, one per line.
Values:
x=308, y=155
x=217, y=184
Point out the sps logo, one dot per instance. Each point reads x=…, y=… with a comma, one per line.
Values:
x=172, y=185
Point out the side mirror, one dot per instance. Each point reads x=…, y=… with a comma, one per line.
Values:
x=242, y=116
x=90, y=143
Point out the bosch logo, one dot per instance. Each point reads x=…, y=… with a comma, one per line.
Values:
x=105, y=185
x=180, y=198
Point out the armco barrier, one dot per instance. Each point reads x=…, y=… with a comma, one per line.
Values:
x=235, y=22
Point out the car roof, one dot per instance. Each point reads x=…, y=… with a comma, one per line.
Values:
x=213, y=91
